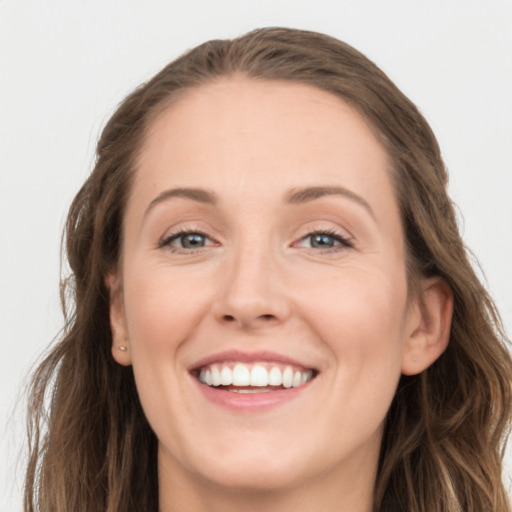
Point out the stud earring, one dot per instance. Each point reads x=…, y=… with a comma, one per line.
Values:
x=122, y=348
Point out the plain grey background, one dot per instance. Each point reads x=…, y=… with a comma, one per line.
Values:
x=65, y=65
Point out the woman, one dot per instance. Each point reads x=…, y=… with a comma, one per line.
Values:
x=273, y=308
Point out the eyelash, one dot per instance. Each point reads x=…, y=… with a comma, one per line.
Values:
x=166, y=242
x=342, y=241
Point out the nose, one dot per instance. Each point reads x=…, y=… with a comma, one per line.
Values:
x=253, y=294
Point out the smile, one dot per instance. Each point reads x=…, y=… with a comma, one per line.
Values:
x=259, y=377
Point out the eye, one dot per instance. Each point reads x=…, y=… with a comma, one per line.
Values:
x=326, y=240
x=186, y=240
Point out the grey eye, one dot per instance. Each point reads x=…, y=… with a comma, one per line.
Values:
x=192, y=240
x=322, y=241
x=186, y=240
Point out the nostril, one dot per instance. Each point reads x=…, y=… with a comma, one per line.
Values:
x=266, y=317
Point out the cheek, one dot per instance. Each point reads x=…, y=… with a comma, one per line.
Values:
x=359, y=303
x=162, y=308
x=163, y=311
x=365, y=332
x=361, y=317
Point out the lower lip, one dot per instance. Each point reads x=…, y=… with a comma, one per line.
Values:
x=251, y=401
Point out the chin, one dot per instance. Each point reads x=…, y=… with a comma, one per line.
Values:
x=253, y=476
x=258, y=469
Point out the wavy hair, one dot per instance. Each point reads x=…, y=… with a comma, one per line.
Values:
x=91, y=448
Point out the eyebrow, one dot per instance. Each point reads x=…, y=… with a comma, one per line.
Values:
x=307, y=194
x=295, y=196
x=200, y=195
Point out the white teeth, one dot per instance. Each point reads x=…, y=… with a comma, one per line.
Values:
x=226, y=376
x=256, y=375
x=275, y=377
x=288, y=377
x=259, y=376
x=241, y=375
x=216, y=378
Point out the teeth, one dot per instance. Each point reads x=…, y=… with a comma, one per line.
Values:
x=226, y=376
x=275, y=377
x=288, y=377
x=258, y=376
x=216, y=377
x=241, y=375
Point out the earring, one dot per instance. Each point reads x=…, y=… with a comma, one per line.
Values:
x=413, y=357
x=122, y=348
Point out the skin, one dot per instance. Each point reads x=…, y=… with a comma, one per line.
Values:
x=258, y=283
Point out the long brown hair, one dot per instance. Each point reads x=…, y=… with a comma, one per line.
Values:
x=91, y=448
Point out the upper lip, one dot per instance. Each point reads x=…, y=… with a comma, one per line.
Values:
x=248, y=357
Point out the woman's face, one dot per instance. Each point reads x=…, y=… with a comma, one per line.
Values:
x=263, y=241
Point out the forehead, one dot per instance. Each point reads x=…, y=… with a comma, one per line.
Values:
x=257, y=139
x=242, y=118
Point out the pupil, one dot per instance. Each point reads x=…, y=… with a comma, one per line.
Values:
x=322, y=241
x=192, y=240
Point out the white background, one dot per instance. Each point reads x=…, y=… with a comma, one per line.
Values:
x=65, y=65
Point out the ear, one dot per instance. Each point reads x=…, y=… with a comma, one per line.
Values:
x=429, y=326
x=120, y=342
